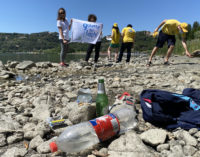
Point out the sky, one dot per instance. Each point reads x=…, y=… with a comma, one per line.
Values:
x=31, y=16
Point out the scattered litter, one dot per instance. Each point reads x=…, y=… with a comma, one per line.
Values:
x=84, y=96
x=55, y=121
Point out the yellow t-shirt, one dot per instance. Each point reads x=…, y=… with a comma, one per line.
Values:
x=129, y=34
x=171, y=27
x=116, y=37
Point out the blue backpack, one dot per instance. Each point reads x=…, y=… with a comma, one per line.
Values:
x=171, y=110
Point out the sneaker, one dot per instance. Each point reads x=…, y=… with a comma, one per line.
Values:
x=166, y=63
x=64, y=64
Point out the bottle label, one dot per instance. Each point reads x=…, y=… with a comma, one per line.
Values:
x=106, y=126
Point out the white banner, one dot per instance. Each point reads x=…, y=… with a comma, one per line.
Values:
x=85, y=32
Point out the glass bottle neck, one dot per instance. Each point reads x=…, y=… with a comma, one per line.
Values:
x=101, y=88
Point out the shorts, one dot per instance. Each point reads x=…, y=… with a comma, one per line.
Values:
x=162, y=38
x=114, y=45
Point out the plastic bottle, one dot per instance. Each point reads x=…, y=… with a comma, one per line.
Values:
x=84, y=135
x=101, y=100
x=84, y=96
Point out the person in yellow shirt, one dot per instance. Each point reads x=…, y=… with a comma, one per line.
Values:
x=128, y=35
x=170, y=28
x=114, y=42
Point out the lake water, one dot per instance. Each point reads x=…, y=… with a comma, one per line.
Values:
x=52, y=57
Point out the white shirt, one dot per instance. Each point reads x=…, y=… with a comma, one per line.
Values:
x=65, y=28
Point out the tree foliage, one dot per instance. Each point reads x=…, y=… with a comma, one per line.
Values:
x=48, y=42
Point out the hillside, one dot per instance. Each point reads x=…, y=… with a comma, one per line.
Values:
x=48, y=42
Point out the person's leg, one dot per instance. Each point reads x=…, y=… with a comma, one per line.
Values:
x=169, y=52
x=155, y=49
x=123, y=47
x=65, y=51
x=89, y=51
x=116, y=54
x=129, y=46
x=109, y=53
x=162, y=38
x=62, y=51
x=171, y=43
x=97, y=50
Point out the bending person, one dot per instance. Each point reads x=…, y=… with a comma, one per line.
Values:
x=169, y=30
x=114, y=42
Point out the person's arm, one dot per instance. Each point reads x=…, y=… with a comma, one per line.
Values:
x=134, y=40
x=112, y=34
x=185, y=47
x=70, y=25
x=161, y=24
x=122, y=34
x=62, y=36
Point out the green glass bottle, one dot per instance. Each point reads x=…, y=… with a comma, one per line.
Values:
x=101, y=100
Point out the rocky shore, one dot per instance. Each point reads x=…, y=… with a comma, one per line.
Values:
x=32, y=92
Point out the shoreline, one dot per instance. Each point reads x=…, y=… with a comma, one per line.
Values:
x=50, y=90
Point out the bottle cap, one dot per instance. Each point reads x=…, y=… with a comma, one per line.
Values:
x=101, y=80
x=53, y=147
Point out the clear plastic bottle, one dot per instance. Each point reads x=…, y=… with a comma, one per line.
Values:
x=84, y=135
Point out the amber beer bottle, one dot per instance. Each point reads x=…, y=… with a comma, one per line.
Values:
x=101, y=100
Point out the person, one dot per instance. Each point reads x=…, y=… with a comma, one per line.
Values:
x=170, y=28
x=128, y=35
x=63, y=27
x=97, y=46
x=115, y=36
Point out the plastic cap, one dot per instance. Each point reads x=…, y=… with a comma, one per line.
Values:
x=101, y=80
x=53, y=147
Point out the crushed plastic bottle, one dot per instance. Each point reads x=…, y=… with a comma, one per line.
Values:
x=84, y=135
x=84, y=96
x=55, y=121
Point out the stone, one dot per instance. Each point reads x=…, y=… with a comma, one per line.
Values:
x=196, y=53
x=15, y=152
x=42, y=105
x=8, y=125
x=176, y=151
x=35, y=142
x=21, y=152
x=82, y=113
x=22, y=119
x=189, y=150
x=185, y=136
x=4, y=74
x=43, y=64
x=39, y=155
x=193, y=131
x=13, y=64
x=29, y=127
x=40, y=129
x=30, y=135
x=2, y=140
x=154, y=137
x=162, y=147
x=71, y=95
x=25, y=65
x=104, y=151
x=44, y=147
x=129, y=145
x=197, y=154
x=15, y=138
x=197, y=135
